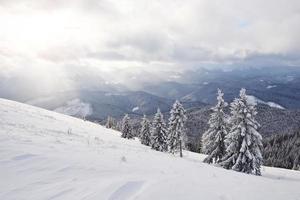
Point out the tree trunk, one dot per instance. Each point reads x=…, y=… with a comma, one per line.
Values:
x=180, y=146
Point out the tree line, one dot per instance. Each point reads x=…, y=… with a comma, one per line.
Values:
x=232, y=141
x=157, y=134
x=283, y=151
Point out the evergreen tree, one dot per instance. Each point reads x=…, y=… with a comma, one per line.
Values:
x=213, y=138
x=126, y=128
x=119, y=125
x=244, y=143
x=176, y=130
x=145, y=135
x=110, y=122
x=282, y=150
x=158, y=133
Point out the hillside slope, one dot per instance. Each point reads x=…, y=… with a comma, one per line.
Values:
x=46, y=155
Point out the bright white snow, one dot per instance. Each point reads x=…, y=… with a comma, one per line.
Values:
x=271, y=86
x=254, y=100
x=135, y=109
x=39, y=159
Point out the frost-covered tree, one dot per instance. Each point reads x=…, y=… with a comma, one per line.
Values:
x=244, y=143
x=110, y=122
x=126, y=128
x=213, y=139
x=158, y=132
x=145, y=135
x=176, y=130
x=119, y=125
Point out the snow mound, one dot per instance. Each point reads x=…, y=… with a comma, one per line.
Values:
x=47, y=155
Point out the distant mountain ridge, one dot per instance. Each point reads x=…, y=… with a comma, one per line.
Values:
x=270, y=84
x=103, y=104
x=276, y=90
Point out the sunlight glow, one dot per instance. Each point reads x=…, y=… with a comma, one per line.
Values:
x=40, y=31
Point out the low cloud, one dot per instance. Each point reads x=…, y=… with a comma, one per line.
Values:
x=63, y=45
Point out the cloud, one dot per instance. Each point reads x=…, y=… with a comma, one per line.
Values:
x=118, y=40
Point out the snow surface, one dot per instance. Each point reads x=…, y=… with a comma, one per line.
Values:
x=271, y=86
x=254, y=100
x=47, y=155
x=135, y=109
x=76, y=108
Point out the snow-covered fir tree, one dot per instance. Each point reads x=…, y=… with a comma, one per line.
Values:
x=213, y=139
x=119, y=125
x=176, y=130
x=145, y=135
x=158, y=133
x=244, y=143
x=110, y=122
x=126, y=128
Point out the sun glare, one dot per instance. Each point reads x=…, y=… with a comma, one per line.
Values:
x=39, y=31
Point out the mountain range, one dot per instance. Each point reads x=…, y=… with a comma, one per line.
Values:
x=276, y=91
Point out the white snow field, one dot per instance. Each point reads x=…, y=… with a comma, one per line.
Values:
x=47, y=155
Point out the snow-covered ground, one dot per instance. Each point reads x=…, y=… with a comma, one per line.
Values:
x=271, y=86
x=47, y=155
x=135, y=109
x=254, y=100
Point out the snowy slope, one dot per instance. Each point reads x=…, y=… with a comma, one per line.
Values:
x=47, y=155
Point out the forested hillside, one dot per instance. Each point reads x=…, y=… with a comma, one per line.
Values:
x=282, y=151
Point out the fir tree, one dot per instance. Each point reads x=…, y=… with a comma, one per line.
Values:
x=145, y=135
x=213, y=138
x=119, y=125
x=282, y=150
x=176, y=130
x=244, y=143
x=110, y=122
x=126, y=128
x=158, y=133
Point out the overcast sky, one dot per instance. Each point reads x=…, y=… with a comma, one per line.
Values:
x=56, y=42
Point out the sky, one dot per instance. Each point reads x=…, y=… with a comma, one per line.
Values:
x=51, y=45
